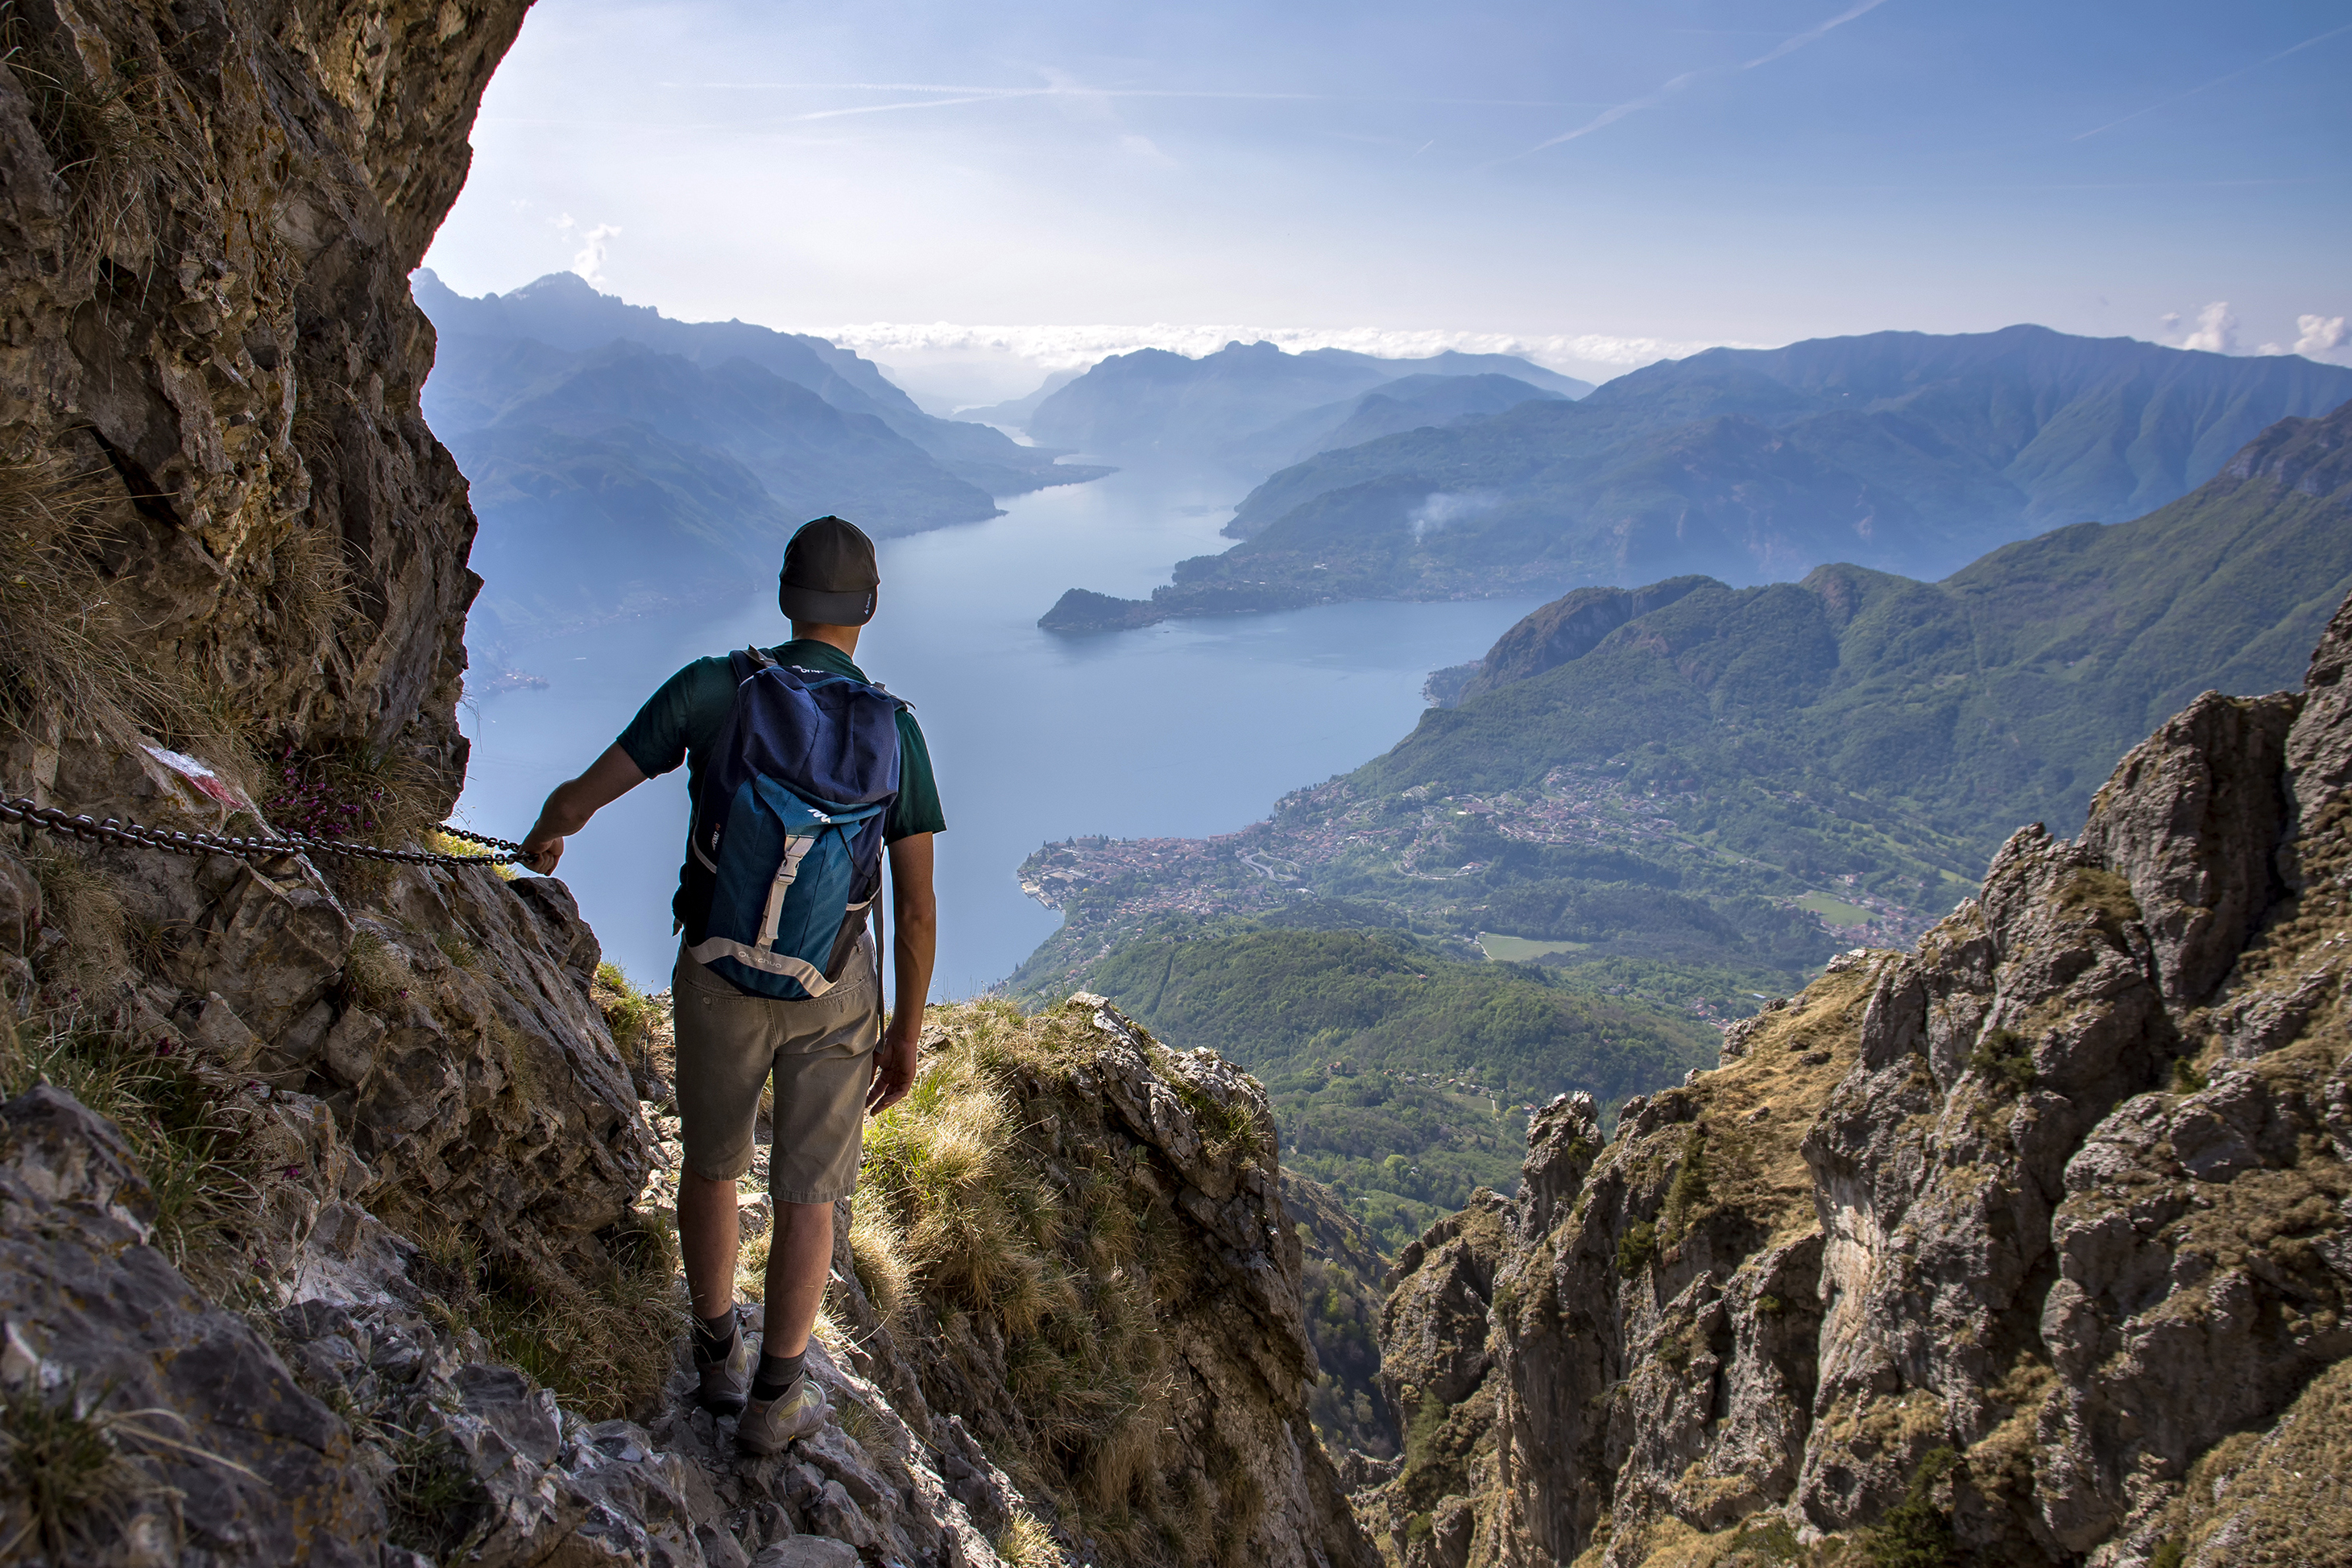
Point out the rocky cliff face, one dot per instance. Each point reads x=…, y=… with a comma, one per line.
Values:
x=330, y=1214
x=1120, y=1377
x=2033, y=1244
x=207, y=216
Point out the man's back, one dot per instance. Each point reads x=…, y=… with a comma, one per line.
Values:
x=682, y=721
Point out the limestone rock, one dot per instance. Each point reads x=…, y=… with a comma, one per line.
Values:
x=2063, y=1194
x=190, y=1397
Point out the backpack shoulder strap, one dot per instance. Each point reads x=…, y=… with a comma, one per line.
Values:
x=745, y=663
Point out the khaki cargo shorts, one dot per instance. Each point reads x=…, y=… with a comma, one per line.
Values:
x=820, y=1053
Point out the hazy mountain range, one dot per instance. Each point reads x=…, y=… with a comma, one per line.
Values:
x=1235, y=407
x=620, y=460
x=1897, y=450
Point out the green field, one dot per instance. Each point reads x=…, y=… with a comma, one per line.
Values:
x=1359, y=1036
x=1520, y=950
x=1836, y=910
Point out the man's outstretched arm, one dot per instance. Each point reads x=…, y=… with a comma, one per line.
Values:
x=571, y=805
x=913, y=943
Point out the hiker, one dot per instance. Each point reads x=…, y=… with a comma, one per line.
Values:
x=777, y=975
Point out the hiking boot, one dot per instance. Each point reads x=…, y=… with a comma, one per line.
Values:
x=768, y=1424
x=724, y=1380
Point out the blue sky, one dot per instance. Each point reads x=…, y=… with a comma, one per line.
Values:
x=1605, y=182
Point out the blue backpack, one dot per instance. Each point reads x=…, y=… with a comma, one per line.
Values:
x=785, y=856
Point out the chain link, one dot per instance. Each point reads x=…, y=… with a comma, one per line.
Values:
x=172, y=841
x=448, y=832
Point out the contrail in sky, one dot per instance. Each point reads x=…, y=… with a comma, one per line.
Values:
x=1786, y=46
x=983, y=94
x=923, y=104
x=1612, y=116
x=2216, y=82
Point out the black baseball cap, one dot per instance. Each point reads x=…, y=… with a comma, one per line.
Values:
x=829, y=575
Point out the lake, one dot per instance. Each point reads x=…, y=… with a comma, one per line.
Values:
x=1189, y=727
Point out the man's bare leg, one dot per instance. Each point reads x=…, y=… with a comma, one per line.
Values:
x=800, y=1262
x=708, y=1237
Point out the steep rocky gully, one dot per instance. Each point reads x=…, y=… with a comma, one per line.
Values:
x=2031, y=1246
x=331, y=1194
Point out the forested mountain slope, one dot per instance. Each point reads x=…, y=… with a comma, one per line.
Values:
x=1401, y=1077
x=2001, y=693
x=1408, y=403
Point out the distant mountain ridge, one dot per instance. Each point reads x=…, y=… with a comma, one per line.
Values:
x=1898, y=451
x=1153, y=401
x=1999, y=695
x=812, y=455
x=563, y=312
x=621, y=462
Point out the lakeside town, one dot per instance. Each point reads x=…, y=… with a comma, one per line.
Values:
x=1398, y=852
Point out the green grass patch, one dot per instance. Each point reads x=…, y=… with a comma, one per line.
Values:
x=1836, y=910
x=629, y=1012
x=193, y=1144
x=1397, y=1075
x=1522, y=950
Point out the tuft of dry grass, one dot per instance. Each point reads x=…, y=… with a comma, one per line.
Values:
x=751, y=1266
x=375, y=973
x=122, y=135
x=878, y=1252
x=434, y=1497
x=1026, y=1544
x=71, y=657
x=310, y=594
x=978, y=1212
x=62, y=649
x=79, y=899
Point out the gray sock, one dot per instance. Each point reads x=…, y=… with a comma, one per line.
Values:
x=714, y=1338
x=776, y=1373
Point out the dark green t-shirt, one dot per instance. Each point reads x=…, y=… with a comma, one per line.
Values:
x=681, y=722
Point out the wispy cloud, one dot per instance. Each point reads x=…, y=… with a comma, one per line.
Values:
x=1811, y=35
x=2216, y=82
x=1059, y=347
x=2320, y=334
x=922, y=103
x=1787, y=45
x=589, y=263
x=1612, y=116
x=2217, y=329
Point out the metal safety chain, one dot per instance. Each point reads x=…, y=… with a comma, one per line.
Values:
x=113, y=831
